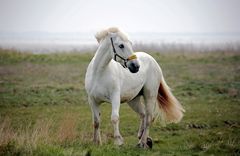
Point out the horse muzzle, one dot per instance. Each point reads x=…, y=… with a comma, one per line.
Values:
x=133, y=65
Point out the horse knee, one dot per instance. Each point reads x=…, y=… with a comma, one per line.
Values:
x=142, y=115
x=96, y=124
x=114, y=119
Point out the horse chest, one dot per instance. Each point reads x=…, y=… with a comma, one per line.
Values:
x=104, y=85
x=100, y=89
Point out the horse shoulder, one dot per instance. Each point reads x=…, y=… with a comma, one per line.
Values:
x=102, y=85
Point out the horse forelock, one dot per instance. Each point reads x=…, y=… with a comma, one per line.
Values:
x=104, y=33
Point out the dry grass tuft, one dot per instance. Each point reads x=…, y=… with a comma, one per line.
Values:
x=67, y=130
x=6, y=132
x=31, y=137
x=42, y=132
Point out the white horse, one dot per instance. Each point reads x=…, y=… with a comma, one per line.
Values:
x=116, y=74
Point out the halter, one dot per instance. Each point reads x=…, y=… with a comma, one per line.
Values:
x=132, y=57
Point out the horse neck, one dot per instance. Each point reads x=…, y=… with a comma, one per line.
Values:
x=102, y=57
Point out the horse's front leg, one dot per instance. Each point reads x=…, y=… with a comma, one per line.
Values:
x=118, y=140
x=96, y=120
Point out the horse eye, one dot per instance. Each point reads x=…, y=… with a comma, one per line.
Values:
x=121, y=46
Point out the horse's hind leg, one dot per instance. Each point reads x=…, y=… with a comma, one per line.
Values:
x=138, y=107
x=96, y=120
x=146, y=141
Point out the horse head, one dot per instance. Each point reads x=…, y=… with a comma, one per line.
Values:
x=121, y=48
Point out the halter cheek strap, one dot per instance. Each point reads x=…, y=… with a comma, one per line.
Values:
x=132, y=57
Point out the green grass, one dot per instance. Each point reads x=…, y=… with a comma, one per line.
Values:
x=44, y=109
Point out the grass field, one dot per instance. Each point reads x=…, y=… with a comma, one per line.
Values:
x=44, y=109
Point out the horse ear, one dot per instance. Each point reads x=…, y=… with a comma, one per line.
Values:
x=97, y=38
x=104, y=33
x=101, y=35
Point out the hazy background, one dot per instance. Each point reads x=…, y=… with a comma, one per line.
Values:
x=67, y=25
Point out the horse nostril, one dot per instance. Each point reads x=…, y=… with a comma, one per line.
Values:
x=134, y=65
x=137, y=66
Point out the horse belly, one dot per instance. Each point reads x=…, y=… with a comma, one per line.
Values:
x=130, y=93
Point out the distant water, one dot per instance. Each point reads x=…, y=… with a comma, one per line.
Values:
x=41, y=42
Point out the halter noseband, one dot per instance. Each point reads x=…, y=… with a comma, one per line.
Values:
x=133, y=56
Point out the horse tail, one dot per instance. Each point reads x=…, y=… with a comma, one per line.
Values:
x=170, y=109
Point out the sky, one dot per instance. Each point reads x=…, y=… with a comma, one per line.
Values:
x=165, y=16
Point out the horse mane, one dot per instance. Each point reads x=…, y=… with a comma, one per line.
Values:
x=102, y=34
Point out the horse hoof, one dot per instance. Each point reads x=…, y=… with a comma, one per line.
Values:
x=141, y=145
x=118, y=141
x=149, y=142
x=144, y=145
